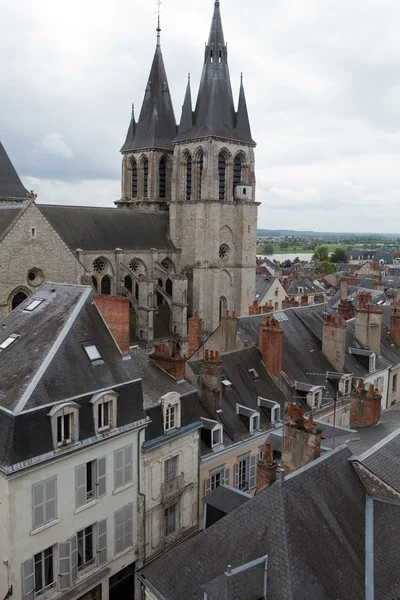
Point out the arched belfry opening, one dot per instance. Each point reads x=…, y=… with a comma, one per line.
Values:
x=237, y=172
x=134, y=178
x=162, y=178
x=145, y=177
x=200, y=167
x=222, y=176
x=188, y=177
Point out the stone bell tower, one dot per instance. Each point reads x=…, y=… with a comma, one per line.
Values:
x=213, y=213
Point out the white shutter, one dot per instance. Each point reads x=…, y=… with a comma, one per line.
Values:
x=207, y=486
x=118, y=468
x=28, y=580
x=50, y=499
x=128, y=466
x=253, y=471
x=64, y=565
x=119, y=530
x=128, y=526
x=38, y=491
x=102, y=542
x=74, y=559
x=227, y=475
x=236, y=475
x=80, y=485
x=101, y=477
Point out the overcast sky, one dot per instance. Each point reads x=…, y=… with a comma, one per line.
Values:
x=322, y=79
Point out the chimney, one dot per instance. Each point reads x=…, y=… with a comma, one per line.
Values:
x=378, y=285
x=229, y=327
x=266, y=470
x=365, y=406
x=304, y=301
x=343, y=290
x=271, y=345
x=195, y=334
x=301, y=442
x=267, y=308
x=173, y=363
x=254, y=309
x=369, y=326
x=115, y=313
x=364, y=298
x=289, y=303
x=211, y=381
x=395, y=325
x=334, y=341
x=346, y=309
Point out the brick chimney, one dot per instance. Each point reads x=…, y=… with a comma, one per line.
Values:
x=266, y=470
x=369, y=326
x=304, y=301
x=195, y=334
x=334, y=341
x=346, y=309
x=302, y=440
x=378, y=285
x=271, y=345
x=229, y=327
x=395, y=325
x=267, y=308
x=343, y=290
x=289, y=303
x=364, y=298
x=171, y=362
x=365, y=406
x=211, y=380
x=115, y=313
x=254, y=309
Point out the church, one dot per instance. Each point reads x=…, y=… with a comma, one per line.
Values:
x=181, y=239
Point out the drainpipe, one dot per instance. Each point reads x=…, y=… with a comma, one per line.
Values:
x=369, y=548
x=265, y=578
x=140, y=493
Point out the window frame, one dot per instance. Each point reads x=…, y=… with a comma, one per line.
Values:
x=126, y=512
x=173, y=460
x=92, y=561
x=63, y=410
x=171, y=510
x=47, y=586
x=169, y=418
x=108, y=397
x=98, y=477
x=125, y=468
x=219, y=430
x=45, y=503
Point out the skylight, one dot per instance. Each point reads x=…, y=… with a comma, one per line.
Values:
x=226, y=383
x=8, y=341
x=92, y=352
x=254, y=373
x=34, y=304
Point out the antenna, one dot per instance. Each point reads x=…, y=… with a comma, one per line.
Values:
x=158, y=22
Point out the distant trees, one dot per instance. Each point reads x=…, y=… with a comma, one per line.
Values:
x=325, y=268
x=268, y=248
x=338, y=256
x=321, y=253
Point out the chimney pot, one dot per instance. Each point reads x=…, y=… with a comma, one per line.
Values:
x=212, y=354
x=206, y=354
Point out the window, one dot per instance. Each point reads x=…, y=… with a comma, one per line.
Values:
x=123, y=467
x=64, y=423
x=86, y=553
x=44, y=502
x=106, y=285
x=145, y=177
x=216, y=478
x=18, y=298
x=104, y=414
x=170, y=418
x=216, y=437
x=8, y=341
x=170, y=468
x=162, y=178
x=276, y=305
x=254, y=423
x=275, y=414
x=134, y=178
x=170, y=519
x=123, y=527
x=189, y=178
x=394, y=384
x=237, y=172
x=276, y=292
x=90, y=481
x=44, y=570
x=222, y=176
x=317, y=396
x=347, y=387
x=254, y=373
x=64, y=428
x=223, y=251
x=371, y=362
x=245, y=472
x=92, y=352
x=34, y=304
x=200, y=164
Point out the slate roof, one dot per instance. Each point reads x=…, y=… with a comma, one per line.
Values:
x=105, y=229
x=309, y=286
x=263, y=284
x=309, y=533
x=383, y=460
x=10, y=184
x=8, y=214
x=155, y=430
x=386, y=553
x=226, y=498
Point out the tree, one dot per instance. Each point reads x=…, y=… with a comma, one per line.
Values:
x=286, y=264
x=268, y=248
x=326, y=268
x=321, y=253
x=338, y=256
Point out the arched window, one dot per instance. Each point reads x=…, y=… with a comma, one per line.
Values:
x=223, y=307
x=136, y=290
x=106, y=285
x=145, y=177
x=128, y=283
x=222, y=176
x=95, y=282
x=168, y=286
x=188, y=178
x=237, y=172
x=134, y=178
x=200, y=164
x=162, y=178
x=18, y=299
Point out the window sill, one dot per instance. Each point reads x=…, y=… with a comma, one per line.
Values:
x=123, y=488
x=85, y=506
x=130, y=549
x=44, y=527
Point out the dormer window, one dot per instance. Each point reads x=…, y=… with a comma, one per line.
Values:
x=64, y=429
x=250, y=417
x=104, y=410
x=171, y=406
x=317, y=399
x=372, y=363
x=271, y=408
x=170, y=418
x=216, y=437
x=255, y=423
x=65, y=423
x=300, y=290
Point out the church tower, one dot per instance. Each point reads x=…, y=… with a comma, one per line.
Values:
x=213, y=213
x=147, y=151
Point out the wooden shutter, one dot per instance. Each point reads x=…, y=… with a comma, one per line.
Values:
x=28, y=580
x=80, y=485
x=38, y=492
x=50, y=499
x=207, y=486
x=102, y=542
x=74, y=558
x=253, y=471
x=128, y=526
x=236, y=475
x=118, y=468
x=101, y=477
x=128, y=466
x=64, y=565
x=119, y=530
x=227, y=474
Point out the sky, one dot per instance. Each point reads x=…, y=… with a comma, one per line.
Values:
x=322, y=81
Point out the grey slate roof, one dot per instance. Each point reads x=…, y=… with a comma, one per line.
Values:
x=263, y=284
x=156, y=127
x=10, y=184
x=386, y=553
x=215, y=113
x=314, y=539
x=383, y=460
x=97, y=229
x=8, y=214
x=226, y=498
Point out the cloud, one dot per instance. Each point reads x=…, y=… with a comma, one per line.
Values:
x=54, y=145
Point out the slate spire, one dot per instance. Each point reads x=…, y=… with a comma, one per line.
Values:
x=243, y=129
x=10, y=184
x=187, y=112
x=156, y=127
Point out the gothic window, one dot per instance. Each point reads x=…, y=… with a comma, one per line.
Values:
x=166, y=263
x=94, y=282
x=237, y=172
x=223, y=251
x=223, y=307
x=136, y=291
x=128, y=283
x=162, y=178
x=106, y=285
x=188, y=178
x=18, y=299
x=222, y=176
x=99, y=265
x=145, y=177
x=134, y=178
x=168, y=286
x=200, y=164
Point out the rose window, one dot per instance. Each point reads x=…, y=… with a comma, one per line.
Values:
x=134, y=265
x=223, y=251
x=99, y=265
x=166, y=263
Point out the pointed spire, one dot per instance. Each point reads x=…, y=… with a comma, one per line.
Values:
x=187, y=111
x=243, y=130
x=130, y=136
x=10, y=184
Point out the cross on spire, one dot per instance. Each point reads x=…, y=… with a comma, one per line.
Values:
x=158, y=22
